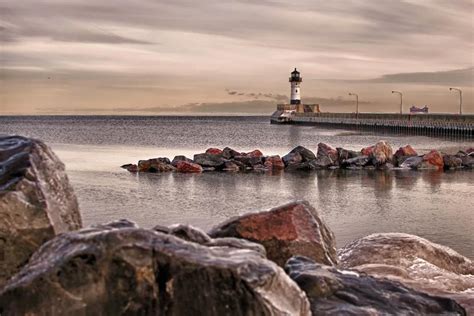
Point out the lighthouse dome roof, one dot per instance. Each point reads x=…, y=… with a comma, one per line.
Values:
x=295, y=72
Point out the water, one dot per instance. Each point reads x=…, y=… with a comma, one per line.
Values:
x=437, y=206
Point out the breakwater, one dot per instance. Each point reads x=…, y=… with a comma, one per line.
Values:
x=435, y=125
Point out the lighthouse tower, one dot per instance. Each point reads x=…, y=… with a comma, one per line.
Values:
x=295, y=81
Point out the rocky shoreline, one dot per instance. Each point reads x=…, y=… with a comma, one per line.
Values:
x=379, y=156
x=281, y=261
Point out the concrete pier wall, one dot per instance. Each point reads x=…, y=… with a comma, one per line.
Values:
x=437, y=125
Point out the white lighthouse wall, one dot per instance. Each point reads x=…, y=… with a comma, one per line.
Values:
x=295, y=91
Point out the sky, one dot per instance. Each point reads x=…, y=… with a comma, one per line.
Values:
x=232, y=56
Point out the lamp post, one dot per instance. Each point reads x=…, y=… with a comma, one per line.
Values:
x=460, y=98
x=357, y=103
x=401, y=100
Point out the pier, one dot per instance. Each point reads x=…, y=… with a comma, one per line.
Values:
x=435, y=125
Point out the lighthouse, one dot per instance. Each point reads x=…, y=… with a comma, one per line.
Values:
x=295, y=81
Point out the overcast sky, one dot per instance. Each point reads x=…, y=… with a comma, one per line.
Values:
x=68, y=56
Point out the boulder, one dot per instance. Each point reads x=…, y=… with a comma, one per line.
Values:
x=306, y=154
x=411, y=162
x=155, y=165
x=432, y=160
x=292, y=158
x=188, y=167
x=291, y=229
x=333, y=291
x=130, y=167
x=382, y=153
x=466, y=160
x=233, y=166
x=229, y=153
x=209, y=160
x=452, y=162
x=179, y=158
x=255, y=154
x=414, y=261
x=327, y=151
x=403, y=153
x=110, y=270
x=344, y=154
x=470, y=151
x=307, y=165
x=36, y=201
x=274, y=163
x=356, y=162
x=248, y=161
x=214, y=151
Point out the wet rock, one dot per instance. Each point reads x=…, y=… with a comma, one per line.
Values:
x=306, y=154
x=188, y=167
x=179, y=158
x=130, y=167
x=432, y=160
x=237, y=243
x=402, y=154
x=345, y=154
x=232, y=166
x=382, y=153
x=36, y=201
x=452, y=162
x=411, y=162
x=467, y=161
x=248, y=161
x=291, y=159
x=291, y=229
x=339, y=292
x=155, y=165
x=209, y=160
x=116, y=271
x=470, y=151
x=214, y=151
x=356, y=162
x=274, y=163
x=414, y=261
x=229, y=153
x=326, y=151
x=367, y=151
x=255, y=154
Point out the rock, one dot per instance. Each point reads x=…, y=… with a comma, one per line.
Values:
x=177, y=159
x=338, y=292
x=452, y=162
x=403, y=153
x=255, y=154
x=411, y=162
x=248, y=161
x=214, y=151
x=355, y=163
x=292, y=158
x=470, y=151
x=155, y=165
x=209, y=160
x=291, y=229
x=367, y=151
x=432, y=160
x=274, y=163
x=130, y=167
x=232, y=166
x=107, y=270
x=304, y=166
x=382, y=153
x=36, y=201
x=188, y=167
x=229, y=153
x=414, y=261
x=238, y=244
x=466, y=160
x=327, y=151
x=306, y=154
x=344, y=154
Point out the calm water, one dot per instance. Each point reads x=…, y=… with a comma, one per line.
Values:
x=437, y=206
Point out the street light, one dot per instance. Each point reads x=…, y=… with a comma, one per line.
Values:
x=460, y=98
x=401, y=100
x=357, y=103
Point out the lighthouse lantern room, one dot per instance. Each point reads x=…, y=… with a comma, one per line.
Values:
x=295, y=81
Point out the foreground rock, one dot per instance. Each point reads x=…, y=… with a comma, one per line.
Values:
x=120, y=269
x=36, y=201
x=403, y=153
x=285, y=231
x=432, y=160
x=338, y=292
x=155, y=165
x=382, y=153
x=188, y=167
x=414, y=261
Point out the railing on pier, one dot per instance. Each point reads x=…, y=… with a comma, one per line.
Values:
x=443, y=125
